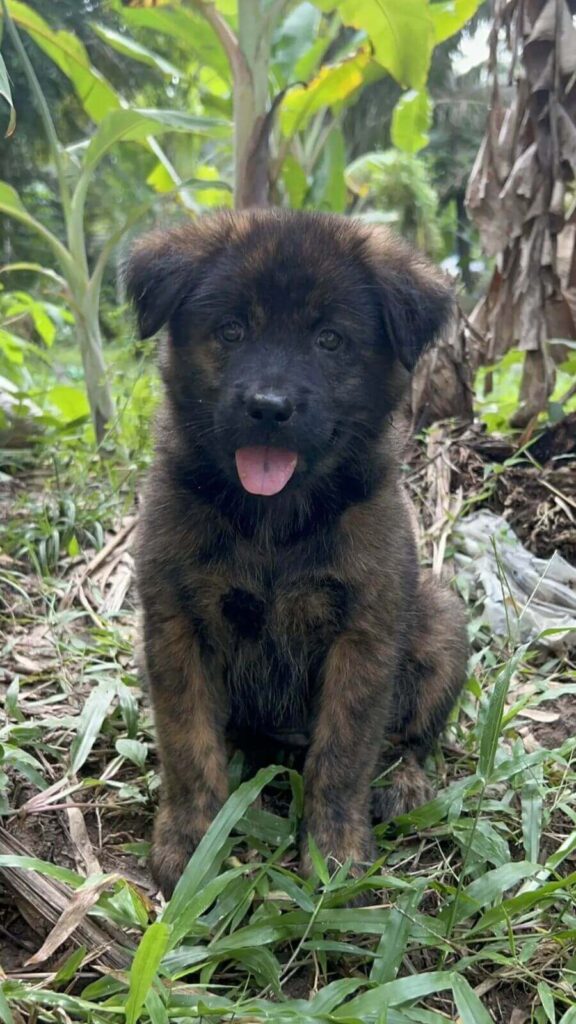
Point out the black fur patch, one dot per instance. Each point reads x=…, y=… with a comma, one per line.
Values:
x=245, y=612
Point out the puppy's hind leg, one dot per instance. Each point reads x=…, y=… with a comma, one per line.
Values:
x=428, y=682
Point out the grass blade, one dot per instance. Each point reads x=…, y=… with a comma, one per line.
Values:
x=204, y=857
x=5, y=1011
x=469, y=1007
x=394, y=993
x=395, y=934
x=532, y=805
x=547, y=1000
x=90, y=722
x=493, y=722
x=153, y=945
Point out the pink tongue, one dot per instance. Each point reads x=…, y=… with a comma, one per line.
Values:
x=265, y=470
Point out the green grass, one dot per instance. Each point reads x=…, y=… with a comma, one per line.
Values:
x=472, y=911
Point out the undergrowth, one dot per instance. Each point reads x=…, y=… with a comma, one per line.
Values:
x=472, y=898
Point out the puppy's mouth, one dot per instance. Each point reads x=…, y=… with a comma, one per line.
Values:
x=265, y=470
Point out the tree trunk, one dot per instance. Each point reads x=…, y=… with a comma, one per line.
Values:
x=518, y=192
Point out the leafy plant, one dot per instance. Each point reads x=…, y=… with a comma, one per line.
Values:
x=83, y=282
x=396, y=187
x=265, y=49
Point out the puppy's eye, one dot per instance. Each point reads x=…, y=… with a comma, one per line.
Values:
x=231, y=330
x=329, y=340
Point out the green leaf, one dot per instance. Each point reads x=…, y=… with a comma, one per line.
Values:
x=333, y=84
x=137, y=125
x=547, y=1000
x=73, y=548
x=492, y=884
x=292, y=42
x=489, y=888
x=392, y=945
x=564, y=850
x=71, y=402
x=70, y=967
x=153, y=945
x=493, y=722
x=90, y=722
x=69, y=54
x=201, y=900
x=295, y=181
x=12, y=860
x=206, y=853
x=11, y=204
x=329, y=190
x=11, y=700
x=127, y=46
x=42, y=322
x=329, y=997
x=134, y=750
x=532, y=811
x=468, y=1004
x=449, y=16
x=485, y=842
x=191, y=31
x=402, y=34
x=5, y=1011
x=394, y=993
x=411, y=121
x=517, y=905
x=318, y=861
x=21, y=760
x=6, y=94
x=156, y=1008
x=10, y=200
x=12, y=347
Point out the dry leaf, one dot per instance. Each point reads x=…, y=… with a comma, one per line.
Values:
x=84, y=854
x=539, y=716
x=81, y=902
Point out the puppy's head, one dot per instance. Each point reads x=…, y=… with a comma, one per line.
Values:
x=290, y=337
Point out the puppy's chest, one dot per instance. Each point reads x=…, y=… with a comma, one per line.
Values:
x=255, y=610
x=305, y=610
x=271, y=625
x=283, y=605
x=274, y=641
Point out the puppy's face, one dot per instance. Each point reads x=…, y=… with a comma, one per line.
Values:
x=290, y=337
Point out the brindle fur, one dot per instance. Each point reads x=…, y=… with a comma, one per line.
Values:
x=304, y=613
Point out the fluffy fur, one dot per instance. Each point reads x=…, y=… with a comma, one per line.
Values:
x=303, y=615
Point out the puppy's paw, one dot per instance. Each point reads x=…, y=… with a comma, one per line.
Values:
x=359, y=856
x=171, y=851
x=408, y=788
x=347, y=843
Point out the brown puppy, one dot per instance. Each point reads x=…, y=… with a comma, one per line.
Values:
x=276, y=559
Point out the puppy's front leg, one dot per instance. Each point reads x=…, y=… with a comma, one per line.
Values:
x=189, y=712
x=345, y=746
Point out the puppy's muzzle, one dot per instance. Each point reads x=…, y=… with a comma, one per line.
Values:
x=269, y=407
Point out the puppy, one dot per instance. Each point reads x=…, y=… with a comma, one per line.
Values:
x=276, y=559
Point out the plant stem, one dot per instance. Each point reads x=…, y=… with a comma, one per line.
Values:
x=249, y=59
x=95, y=375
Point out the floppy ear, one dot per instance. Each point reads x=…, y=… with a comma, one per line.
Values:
x=416, y=301
x=159, y=273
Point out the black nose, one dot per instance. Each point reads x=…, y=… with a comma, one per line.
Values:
x=269, y=406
